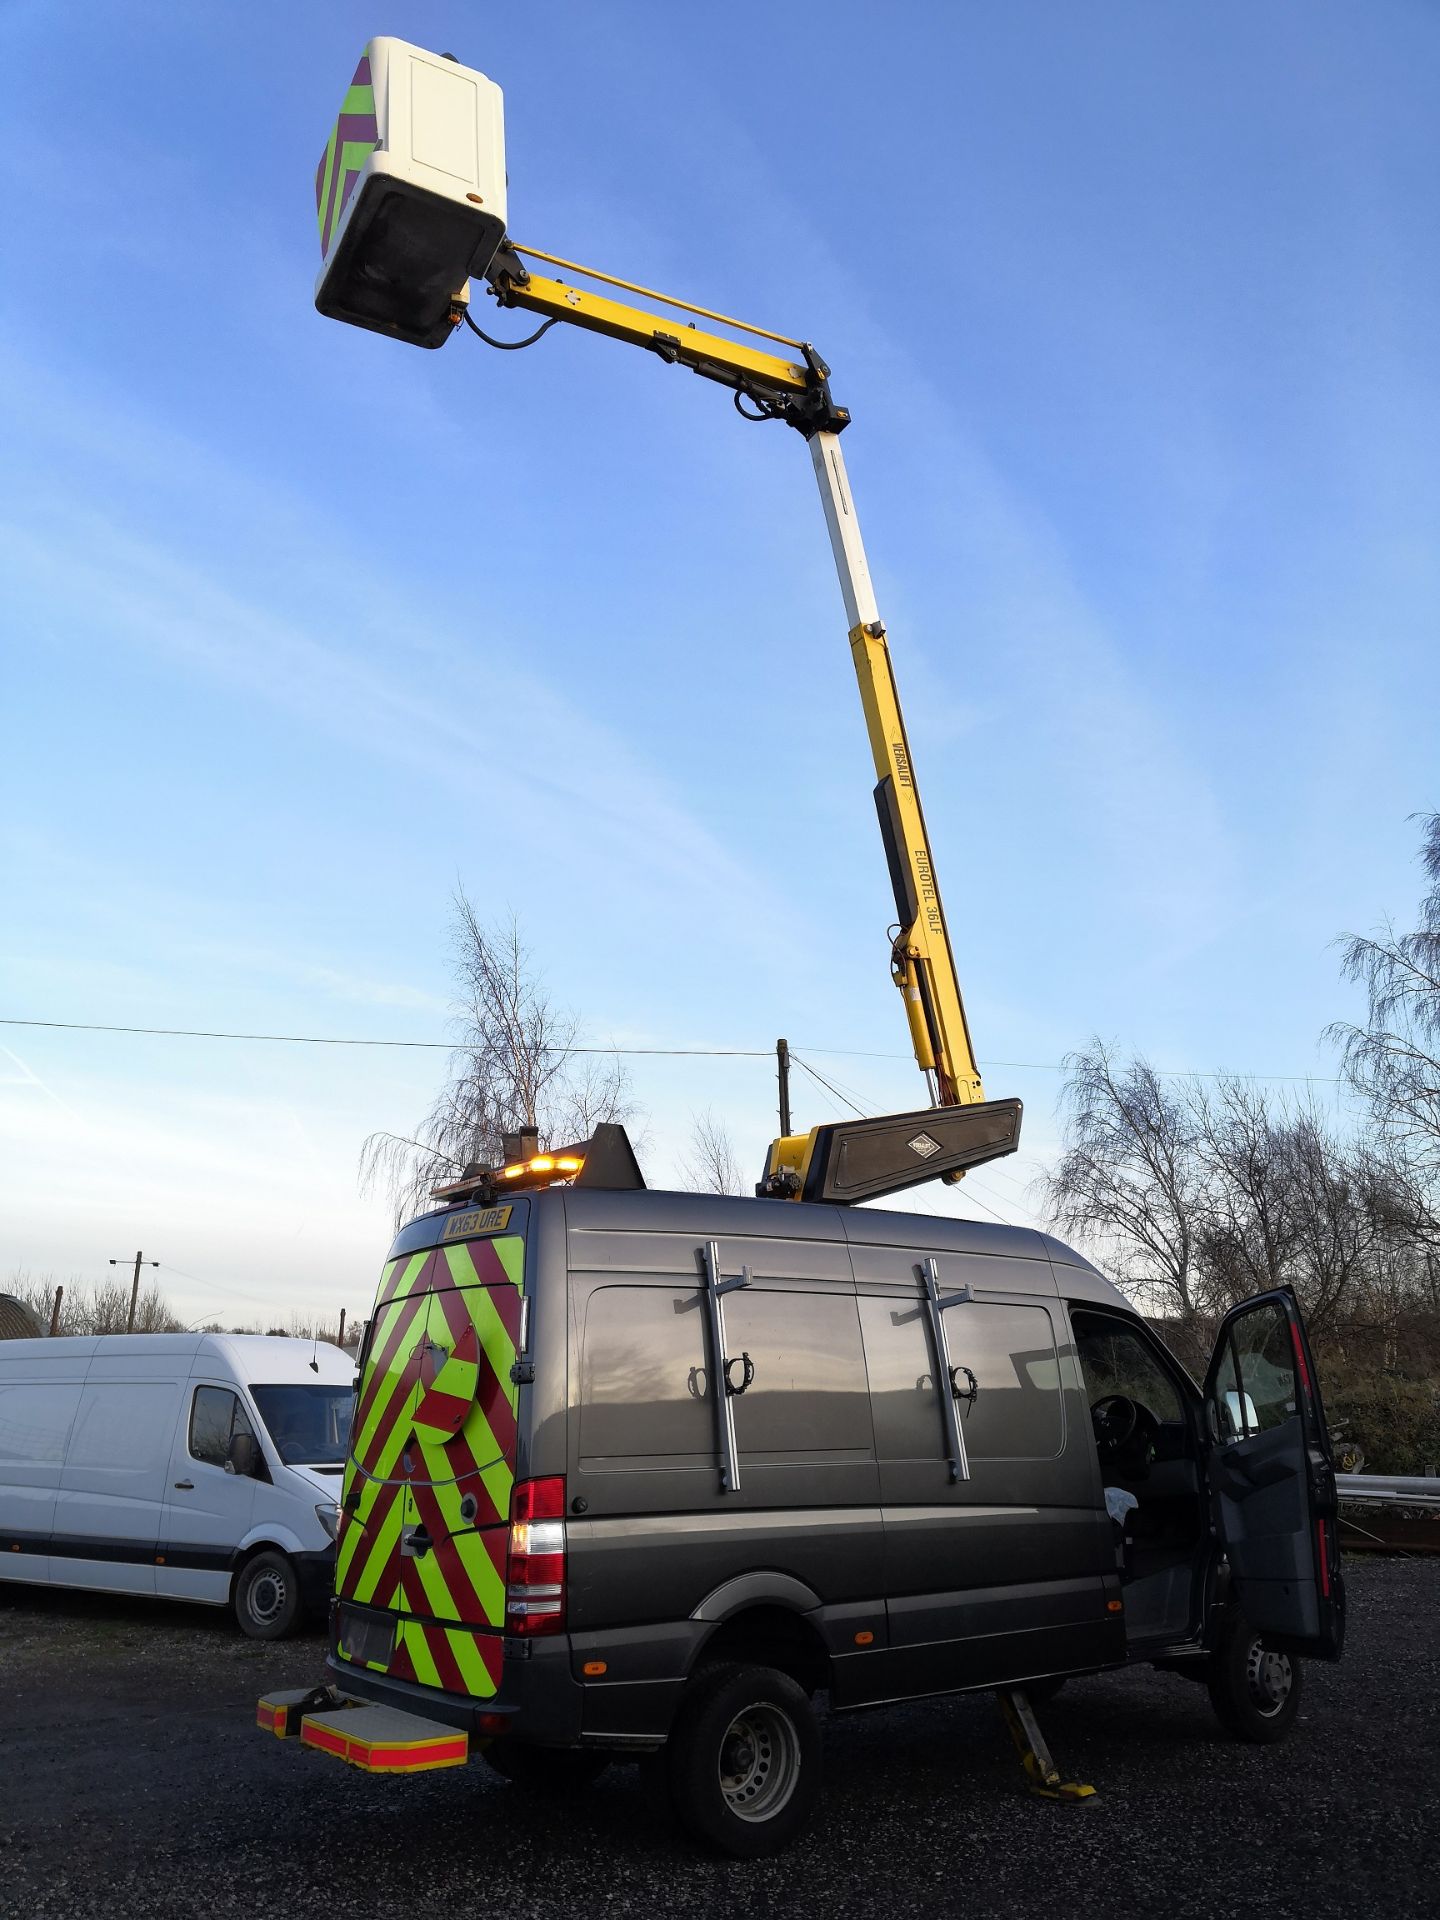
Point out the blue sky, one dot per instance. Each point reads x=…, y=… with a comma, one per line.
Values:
x=1135, y=308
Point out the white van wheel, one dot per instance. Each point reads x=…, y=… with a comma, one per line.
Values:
x=267, y=1596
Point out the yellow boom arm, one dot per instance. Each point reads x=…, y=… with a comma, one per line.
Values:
x=794, y=387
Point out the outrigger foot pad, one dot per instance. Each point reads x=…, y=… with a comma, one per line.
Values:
x=281, y=1713
x=1042, y=1776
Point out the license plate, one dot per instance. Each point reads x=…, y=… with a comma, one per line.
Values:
x=366, y=1639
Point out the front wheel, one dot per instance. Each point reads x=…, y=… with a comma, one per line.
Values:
x=267, y=1596
x=1254, y=1687
x=743, y=1762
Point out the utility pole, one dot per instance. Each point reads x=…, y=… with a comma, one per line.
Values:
x=55, y=1312
x=782, y=1069
x=140, y=1261
x=341, y=1341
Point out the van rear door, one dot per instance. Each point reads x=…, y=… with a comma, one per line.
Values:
x=1272, y=1476
x=460, y=1471
x=426, y=1506
x=373, y=1504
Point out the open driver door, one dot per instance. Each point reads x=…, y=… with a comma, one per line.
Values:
x=1272, y=1477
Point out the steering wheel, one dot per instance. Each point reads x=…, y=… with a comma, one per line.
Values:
x=1114, y=1418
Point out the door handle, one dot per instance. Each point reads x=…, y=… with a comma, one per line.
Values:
x=185, y=1486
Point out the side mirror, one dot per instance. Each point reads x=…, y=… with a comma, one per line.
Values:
x=242, y=1454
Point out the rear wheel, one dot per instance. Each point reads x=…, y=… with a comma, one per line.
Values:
x=557, y=1770
x=267, y=1596
x=1254, y=1687
x=743, y=1762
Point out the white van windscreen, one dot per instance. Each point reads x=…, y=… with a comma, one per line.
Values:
x=309, y=1423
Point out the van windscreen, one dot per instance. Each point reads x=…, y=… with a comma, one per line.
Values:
x=310, y=1424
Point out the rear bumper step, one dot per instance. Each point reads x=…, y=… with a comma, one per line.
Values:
x=375, y=1739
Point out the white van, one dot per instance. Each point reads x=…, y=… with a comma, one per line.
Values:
x=189, y=1466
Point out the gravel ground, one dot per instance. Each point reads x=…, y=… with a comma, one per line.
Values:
x=132, y=1782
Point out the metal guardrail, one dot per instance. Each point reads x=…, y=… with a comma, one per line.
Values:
x=1388, y=1489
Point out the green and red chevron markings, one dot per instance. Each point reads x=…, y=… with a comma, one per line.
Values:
x=353, y=139
x=434, y=1448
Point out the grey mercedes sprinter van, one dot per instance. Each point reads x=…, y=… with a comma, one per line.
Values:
x=639, y=1474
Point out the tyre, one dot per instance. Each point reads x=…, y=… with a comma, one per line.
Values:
x=267, y=1596
x=1254, y=1688
x=743, y=1761
x=556, y=1770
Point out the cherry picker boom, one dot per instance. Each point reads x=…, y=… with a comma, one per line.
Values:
x=399, y=239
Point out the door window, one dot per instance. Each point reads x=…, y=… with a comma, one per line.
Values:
x=124, y=1427
x=808, y=1393
x=1118, y=1359
x=642, y=1375
x=1256, y=1389
x=216, y=1415
x=1015, y=1411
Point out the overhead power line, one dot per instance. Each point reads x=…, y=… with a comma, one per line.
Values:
x=342, y=1040
x=843, y=1098
x=674, y=1053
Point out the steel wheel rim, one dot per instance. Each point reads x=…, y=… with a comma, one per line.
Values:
x=1268, y=1678
x=265, y=1597
x=759, y=1762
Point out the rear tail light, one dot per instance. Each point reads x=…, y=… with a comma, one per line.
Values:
x=535, y=1568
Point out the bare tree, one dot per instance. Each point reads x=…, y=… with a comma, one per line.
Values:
x=107, y=1310
x=1393, y=1061
x=1202, y=1195
x=1131, y=1177
x=1340, y=1227
x=711, y=1165
x=37, y=1292
x=514, y=1067
x=1250, y=1205
x=103, y=1307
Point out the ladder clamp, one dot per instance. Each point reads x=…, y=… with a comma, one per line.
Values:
x=722, y=1389
x=945, y=1371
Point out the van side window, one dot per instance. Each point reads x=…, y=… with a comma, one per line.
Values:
x=809, y=1391
x=215, y=1415
x=35, y=1423
x=642, y=1375
x=1016, y=1412
x=125, y=1426
x=1116, y=1358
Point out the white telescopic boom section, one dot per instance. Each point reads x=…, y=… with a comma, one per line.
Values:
x=850, y=562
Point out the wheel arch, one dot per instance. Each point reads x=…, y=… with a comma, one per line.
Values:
x=767, y=1631
x=275, y=1540
x=268, y=1534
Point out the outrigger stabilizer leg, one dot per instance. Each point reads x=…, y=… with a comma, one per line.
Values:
x=1042, y=1776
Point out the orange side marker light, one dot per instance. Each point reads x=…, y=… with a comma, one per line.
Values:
x=595, y=1667
x=864, y=1639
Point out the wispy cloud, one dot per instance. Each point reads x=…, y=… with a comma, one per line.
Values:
x=398, y=688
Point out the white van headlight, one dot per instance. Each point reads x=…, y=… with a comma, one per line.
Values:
x=329, y=1517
